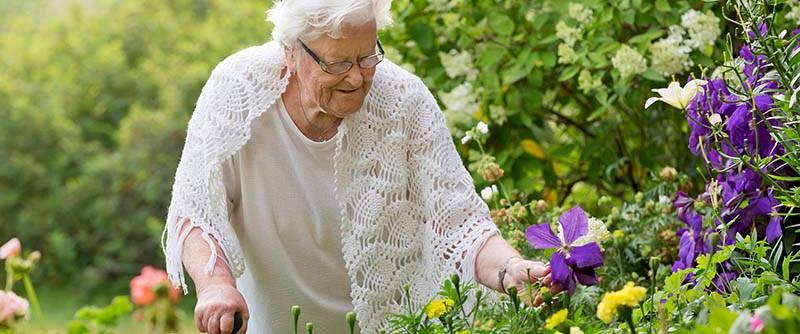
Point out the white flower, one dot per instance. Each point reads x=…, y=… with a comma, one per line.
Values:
x=459, y=104
x=794, y=14
x=567, y=34
x=566, y=54
x=715, y=119
x=587, y=83
x=575, y=330
x=580, y=12
x=628, y=61
x=498, y=113
x=458, y=64
x=597, y=233
x=466, y=139
x=703, y=28
x=482, y=127
x=488, y=192
x=676, y=96
x=668, y=55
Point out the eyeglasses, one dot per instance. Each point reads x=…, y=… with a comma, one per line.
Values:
x=344, y=66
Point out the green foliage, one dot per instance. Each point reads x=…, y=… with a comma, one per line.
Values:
x=93, y=319
x=94, y=100
x=545, y=74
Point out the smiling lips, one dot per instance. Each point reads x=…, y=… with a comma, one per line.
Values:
x=348, y=91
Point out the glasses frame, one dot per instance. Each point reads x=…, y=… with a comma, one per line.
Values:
x=325, y=66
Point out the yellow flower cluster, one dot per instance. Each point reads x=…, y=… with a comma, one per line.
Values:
x=629, y=296
x=556, y=319
x=438, y=307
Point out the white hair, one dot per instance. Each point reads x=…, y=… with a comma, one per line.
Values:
x=308, y=19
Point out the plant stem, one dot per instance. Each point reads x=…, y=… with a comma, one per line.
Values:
x=37, y=310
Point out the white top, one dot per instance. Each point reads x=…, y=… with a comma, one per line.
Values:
x=284, y=212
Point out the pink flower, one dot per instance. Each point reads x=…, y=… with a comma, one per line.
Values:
x=12, y=307
x=12, y=248
x=144, y=286
x=756, y=324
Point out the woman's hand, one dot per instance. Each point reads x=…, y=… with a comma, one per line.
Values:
x=215, y=309
x=522, y=273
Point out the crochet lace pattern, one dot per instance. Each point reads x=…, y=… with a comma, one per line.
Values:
x=410, y=214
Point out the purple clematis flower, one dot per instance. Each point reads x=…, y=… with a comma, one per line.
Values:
x=571, y=263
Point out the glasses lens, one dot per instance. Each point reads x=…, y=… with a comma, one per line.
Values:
x=338, y=68
x=370, y=61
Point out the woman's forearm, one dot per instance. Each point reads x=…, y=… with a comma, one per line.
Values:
x=196, y=254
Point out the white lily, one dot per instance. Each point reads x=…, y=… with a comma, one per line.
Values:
x=676, y=96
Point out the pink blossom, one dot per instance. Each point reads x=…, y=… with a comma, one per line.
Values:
x=756, y=324
x=11, y=248
x=144, y=286
x=12, y=307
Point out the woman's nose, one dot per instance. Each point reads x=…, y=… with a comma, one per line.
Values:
x=354, y=76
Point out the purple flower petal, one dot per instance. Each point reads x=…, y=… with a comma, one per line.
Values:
x=587, y=256
x=559, y=269
x=586, y=276
x=575, y=224
x=774, y=228
x=542, y=237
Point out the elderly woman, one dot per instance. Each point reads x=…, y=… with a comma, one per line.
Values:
x=317, y=173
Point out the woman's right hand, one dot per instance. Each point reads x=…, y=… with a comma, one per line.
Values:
x=216, y=306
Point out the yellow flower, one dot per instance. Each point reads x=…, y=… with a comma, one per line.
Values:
x=575, y=330
x=544, y=290
x=629, y=296
x=438, y=307
x=463, y=332
x=556, y=319
x=676, y=96
x=618, y=234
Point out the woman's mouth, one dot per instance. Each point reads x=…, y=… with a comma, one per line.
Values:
x=348, y=91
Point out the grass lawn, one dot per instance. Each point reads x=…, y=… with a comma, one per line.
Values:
x=59, y=307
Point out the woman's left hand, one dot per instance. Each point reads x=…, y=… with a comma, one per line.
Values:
x=523, y=274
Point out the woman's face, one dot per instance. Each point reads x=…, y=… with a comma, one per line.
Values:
x=343, y=94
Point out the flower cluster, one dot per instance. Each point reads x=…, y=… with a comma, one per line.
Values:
x=12, y=308
x=628, y=61
x=703, y=28
x=613, y=302
x=145, y=286
x=556, y=319
x=669, y=55
x=576, y=257
x=439, y=307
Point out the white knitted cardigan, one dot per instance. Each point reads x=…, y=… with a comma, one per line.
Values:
x=410, y=214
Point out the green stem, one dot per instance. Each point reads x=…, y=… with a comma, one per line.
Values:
x=37, y=310
x=9, y=279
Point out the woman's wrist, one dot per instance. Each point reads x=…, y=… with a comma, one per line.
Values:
x=503, y=272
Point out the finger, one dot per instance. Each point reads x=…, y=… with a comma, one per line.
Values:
x=547, y=280
x=556, y=288
x=245, y=317
x=538, y=300
x=213, y=324
x=199, y=322
x=226, y=323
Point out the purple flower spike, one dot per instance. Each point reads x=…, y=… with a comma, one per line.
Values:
x=570, y=263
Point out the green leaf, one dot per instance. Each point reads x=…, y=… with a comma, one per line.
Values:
x=652, y=75
x=491, y=56
x=549, y=59
x=569, y=72
x=422, y=33
x=501, y=24
x=663, y=6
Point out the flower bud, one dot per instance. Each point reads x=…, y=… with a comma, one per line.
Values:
x=455, y=279
x=478, y=294
x=654, y=264
x=668, y=174
x=351, y=320
x=310, y=327
x=638, y=197
x=295, y=311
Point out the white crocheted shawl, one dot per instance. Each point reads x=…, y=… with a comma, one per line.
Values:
x=410, y=214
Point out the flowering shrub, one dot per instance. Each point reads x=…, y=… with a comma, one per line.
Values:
x=560, y=84
x=12, y=309
x=12, y=306
x=157, y=300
